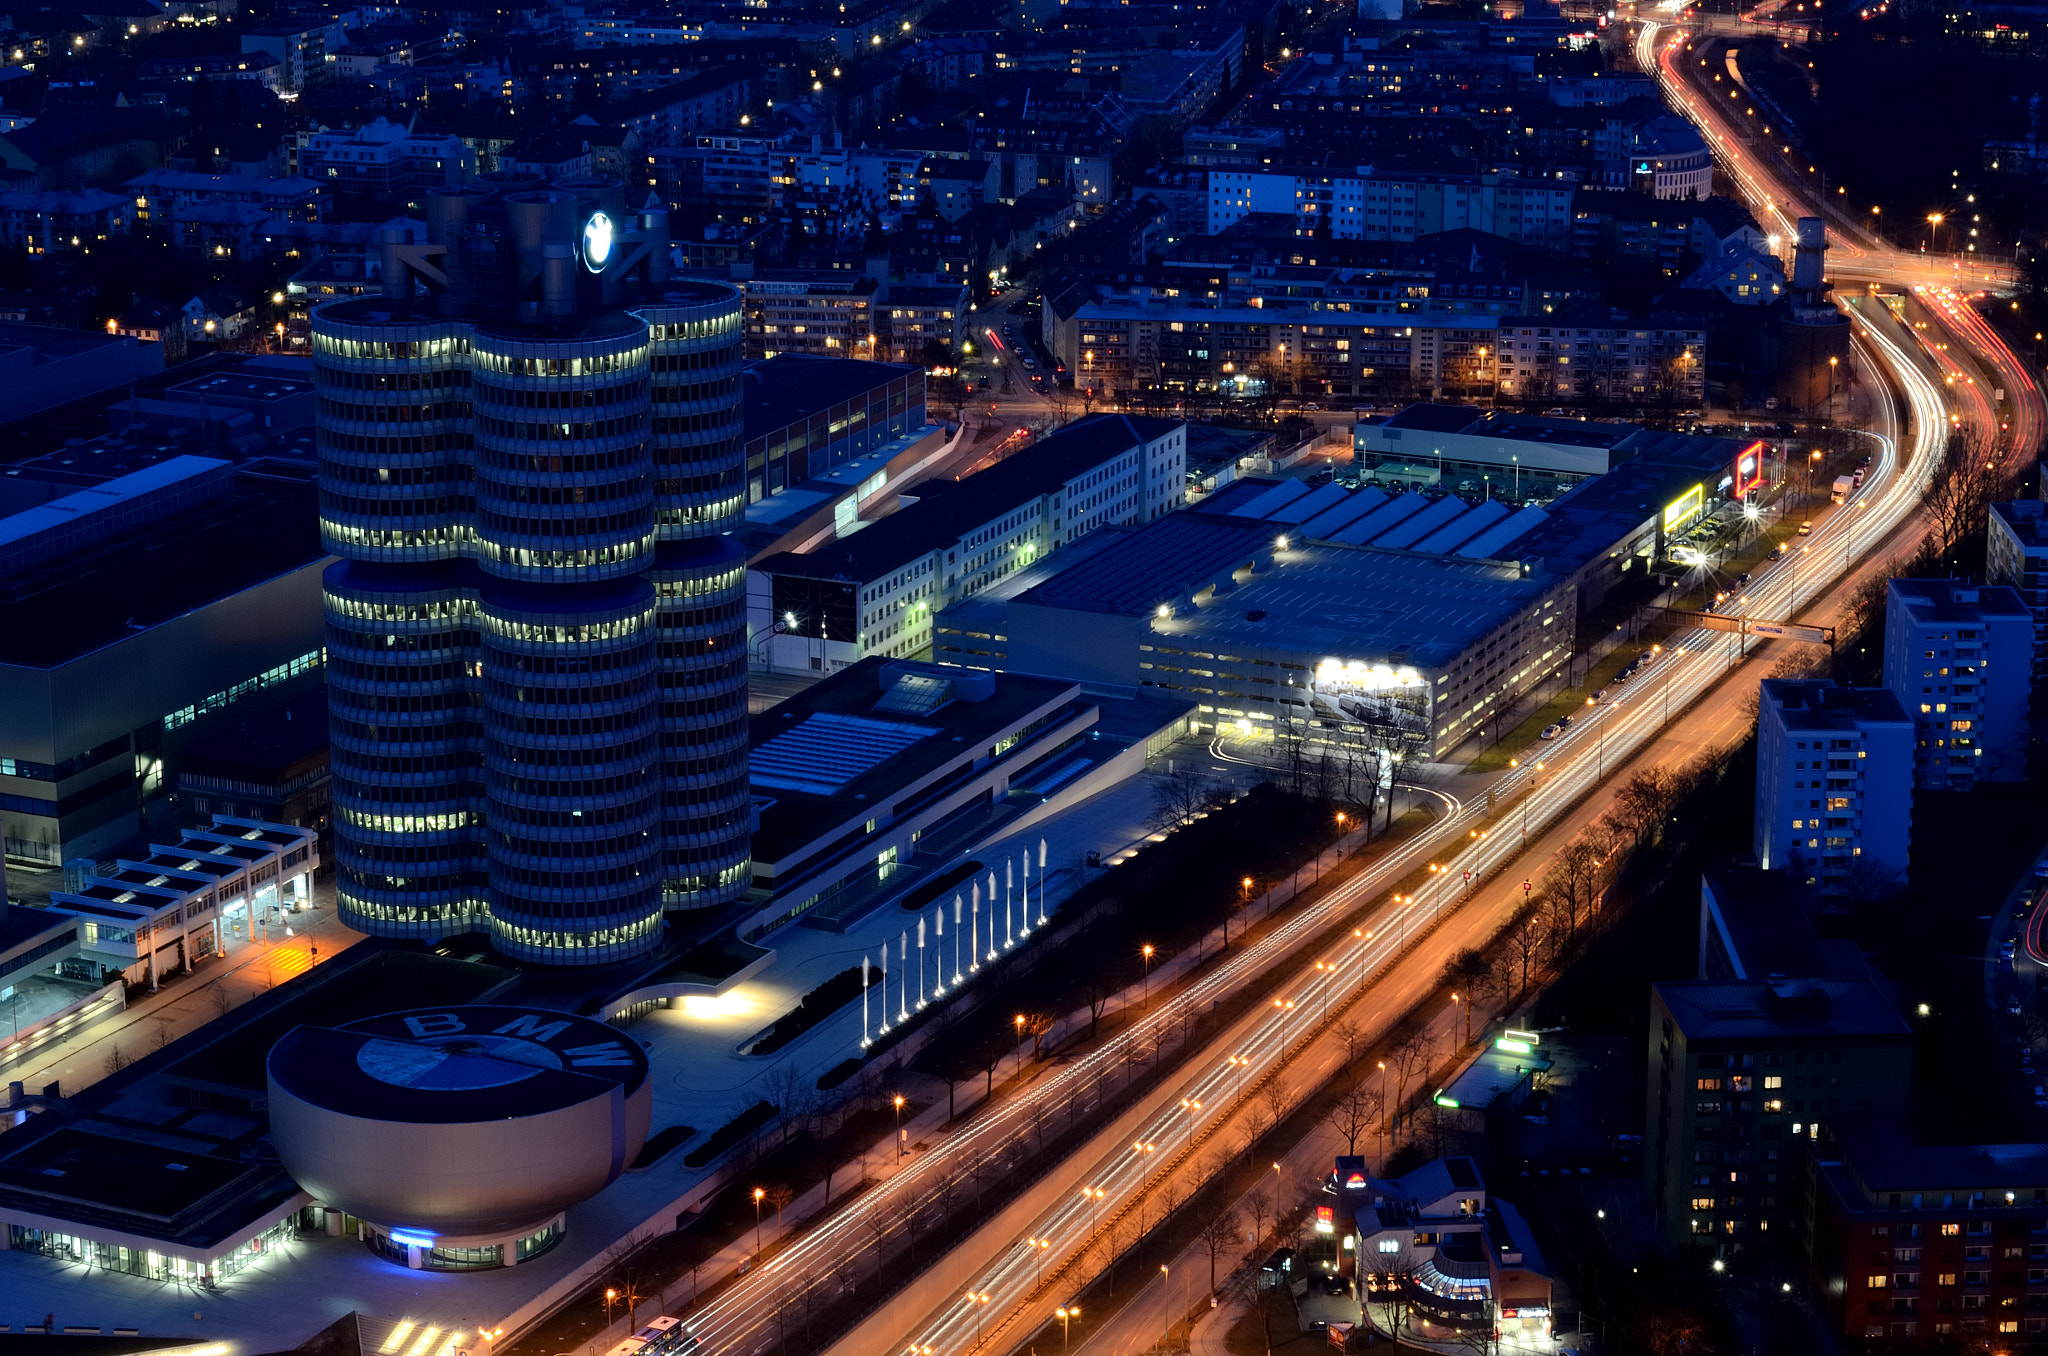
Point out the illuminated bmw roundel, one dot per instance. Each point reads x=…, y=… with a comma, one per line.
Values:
x=597, y=242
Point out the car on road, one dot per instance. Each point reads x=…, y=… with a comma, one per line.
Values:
x=1030, y=364
x=1551, y=731
x=1336, y=1285
x=1806, y=528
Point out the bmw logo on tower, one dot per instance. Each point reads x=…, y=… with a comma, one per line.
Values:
x=597, y=241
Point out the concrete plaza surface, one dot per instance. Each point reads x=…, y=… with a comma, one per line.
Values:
x=700, y=1079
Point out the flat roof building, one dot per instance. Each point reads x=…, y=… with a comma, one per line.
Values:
x=876, y=591
x=1959, y=657
x=1834, y=785
x=42, y=367
x=1739, y=1071
x=2016, y=555
x=850, y=776
x=1518, y=456
x=170, y=604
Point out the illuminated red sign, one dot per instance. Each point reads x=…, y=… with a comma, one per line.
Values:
x=1355, y=1182
x=1749, y=467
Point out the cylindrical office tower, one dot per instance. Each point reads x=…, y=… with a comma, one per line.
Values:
x=537, y=626
x=572, y=753
x=700, y=586
x=401, y=631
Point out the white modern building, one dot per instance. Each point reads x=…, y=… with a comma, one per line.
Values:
x=1834, y=784
x=1959, y=657
x=875, y=592
x=192, y=898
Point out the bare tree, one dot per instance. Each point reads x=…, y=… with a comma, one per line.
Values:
x=1180, y=795
x=1258, y=1203
x=1095, y=991
x=117, y=1060
x=1641, y=804
x=1354, y=1114
x=1524, y=941
x=1035, y=1025
x=1353, y=1038
x=1408, y=1059
x=1219, y=1235
x=779, y=1196
x=1958, y=498
x=1576, y=878
x=790, y=1088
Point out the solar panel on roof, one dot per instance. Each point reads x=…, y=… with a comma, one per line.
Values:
x=1420, y=525
x=1380, y=519
x=825, y=751
x=1464, y=527
x=1309, y=505
x=1286, y=492
x=1355, y=506
x=916, y=694
x=1502, y=534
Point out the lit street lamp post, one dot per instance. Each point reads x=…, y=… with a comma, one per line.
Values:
x=899, y=1126
x=759, y=1192
x=1146, y=951
x=1066, y=1314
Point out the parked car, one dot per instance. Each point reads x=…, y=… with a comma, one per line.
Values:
x=1551, y=731
x=1777, y=553
x=1806, y=528
x=1742, y=580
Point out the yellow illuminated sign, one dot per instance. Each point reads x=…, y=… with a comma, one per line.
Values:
x=1685, y=508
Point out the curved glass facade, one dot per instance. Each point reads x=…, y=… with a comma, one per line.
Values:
x=536, y=628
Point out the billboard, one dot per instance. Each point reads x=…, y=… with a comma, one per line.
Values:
x=1683, y=511
x=1393, y=697
x=1749, y=468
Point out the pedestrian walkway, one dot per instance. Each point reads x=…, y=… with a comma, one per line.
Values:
x=182, y=1005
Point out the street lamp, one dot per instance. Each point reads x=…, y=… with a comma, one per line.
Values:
x=1066, y=1314
x=1240, y=1063
x=977, y=1300
x=1146, y=952
x=1328, y=970
x=899, y=1124
x=759, y=1193
x=1363, y=954
x=1093, y=1195
x=1038, y=1247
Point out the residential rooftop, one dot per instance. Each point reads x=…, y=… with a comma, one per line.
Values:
x=1748, y=1010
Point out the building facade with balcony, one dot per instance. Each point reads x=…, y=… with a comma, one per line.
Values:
x=1959, y=657
x=1834, y=784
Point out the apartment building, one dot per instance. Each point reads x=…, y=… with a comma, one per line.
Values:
x=1583, y=356
x=1959, y=657
x=1834, y=784
x=2016, y=555
x=1365, y=204
x=1740, y=1071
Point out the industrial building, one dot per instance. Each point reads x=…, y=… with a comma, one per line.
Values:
x=1834, y=784
x=868, y=782
x=134, y=606
x=1519, y=457
x=875, y=592
x=1959, y=657
x=829, y=441
x=1401, y=615
x=531, y=476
